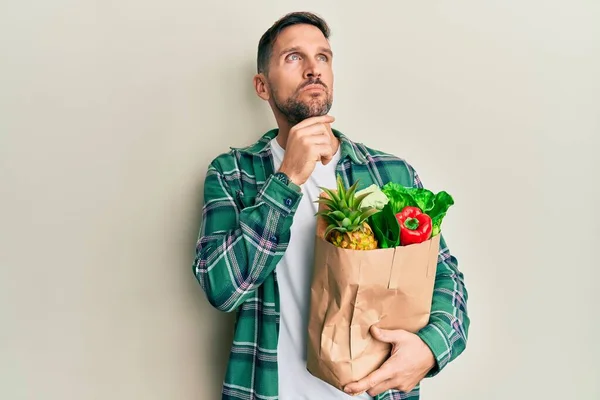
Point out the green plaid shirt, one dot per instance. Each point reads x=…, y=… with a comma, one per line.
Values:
x=245, y=231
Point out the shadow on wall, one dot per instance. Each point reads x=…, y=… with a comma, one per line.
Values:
x=248, y=117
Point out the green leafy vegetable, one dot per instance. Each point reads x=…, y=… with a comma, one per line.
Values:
x=385, y=227
x=434, y=205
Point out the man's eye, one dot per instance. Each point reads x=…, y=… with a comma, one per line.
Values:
x=293, y=57
x=323, y=58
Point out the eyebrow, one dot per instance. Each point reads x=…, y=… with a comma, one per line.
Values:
x=326, y=50
x=296, y=48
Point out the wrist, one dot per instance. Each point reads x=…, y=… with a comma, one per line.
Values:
x=284, y=178
x=289, y=176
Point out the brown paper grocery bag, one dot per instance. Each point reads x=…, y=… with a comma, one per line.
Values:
x=352, y=290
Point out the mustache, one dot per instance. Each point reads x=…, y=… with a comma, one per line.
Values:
x=313, y=82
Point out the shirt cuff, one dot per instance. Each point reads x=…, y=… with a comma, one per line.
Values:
x=283, y=197
x=437, y=342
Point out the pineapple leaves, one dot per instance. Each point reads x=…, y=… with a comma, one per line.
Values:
x=328, y=202
x=340, y=184
x=344, y=216
x=336, y=216
x=329, y=219
x=366, y=214
x=332, y=195
x=358, y=199
x=332, y=228
x=343, y=196
x=350, y=194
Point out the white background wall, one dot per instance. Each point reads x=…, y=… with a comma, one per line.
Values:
x=110, y=112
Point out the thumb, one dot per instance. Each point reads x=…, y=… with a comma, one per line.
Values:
x=388, y=335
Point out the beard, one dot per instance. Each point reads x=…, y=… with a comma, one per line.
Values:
x=296, y=110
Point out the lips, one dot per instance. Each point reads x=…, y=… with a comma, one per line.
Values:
x=315, y=86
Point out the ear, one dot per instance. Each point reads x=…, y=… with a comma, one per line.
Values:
x=261, y=86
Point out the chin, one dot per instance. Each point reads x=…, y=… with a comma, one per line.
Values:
x=319, y=108
x=314, y=101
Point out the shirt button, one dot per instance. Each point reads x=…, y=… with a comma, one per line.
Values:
x=273, y=239
x=288, y=202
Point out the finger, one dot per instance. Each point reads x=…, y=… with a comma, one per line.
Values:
x=388, y=335
x=321, y=151
x=372, y=380
x=329, y=130
x=332, y=138
x=382, y=387
x=315, y=143
x=313, y=130
x=326, y=159
x=317, y=140
x=314, y=120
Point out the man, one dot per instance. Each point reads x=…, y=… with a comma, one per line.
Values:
x=255, y=249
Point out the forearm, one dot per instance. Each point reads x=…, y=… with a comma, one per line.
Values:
x=237, y=250
x=447, y=331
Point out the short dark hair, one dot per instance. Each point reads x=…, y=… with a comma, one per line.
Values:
x=265, y=45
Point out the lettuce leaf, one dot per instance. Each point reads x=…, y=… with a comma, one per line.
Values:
x=441, y=204
x=434, y=205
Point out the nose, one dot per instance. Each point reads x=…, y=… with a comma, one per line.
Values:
x=312, y=70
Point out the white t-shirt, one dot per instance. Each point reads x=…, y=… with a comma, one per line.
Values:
x=294, y=272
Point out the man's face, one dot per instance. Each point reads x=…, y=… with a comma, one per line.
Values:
x=300, y=77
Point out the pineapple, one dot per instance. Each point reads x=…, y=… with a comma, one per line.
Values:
x=348, y=227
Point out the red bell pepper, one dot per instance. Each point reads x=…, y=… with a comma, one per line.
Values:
x=415, y=226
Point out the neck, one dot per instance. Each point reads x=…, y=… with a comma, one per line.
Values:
x=284, y=130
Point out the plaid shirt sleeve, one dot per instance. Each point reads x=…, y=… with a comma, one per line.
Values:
x=240, y=244
x=447, y=331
